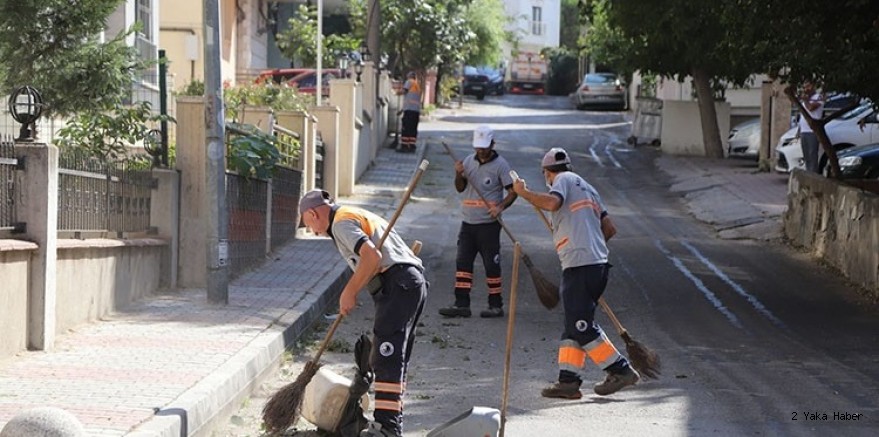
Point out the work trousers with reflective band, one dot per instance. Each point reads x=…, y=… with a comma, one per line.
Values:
x=484, y=239
x=580, y=289
x=398, y=306
x=409, y=133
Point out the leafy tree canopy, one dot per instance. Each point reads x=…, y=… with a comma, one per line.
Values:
x=53, y=45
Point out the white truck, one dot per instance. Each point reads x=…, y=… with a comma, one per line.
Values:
x=528, y=73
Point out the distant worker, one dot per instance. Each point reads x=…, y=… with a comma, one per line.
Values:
x=411, y=92
x=480, y=231
x=580, y=230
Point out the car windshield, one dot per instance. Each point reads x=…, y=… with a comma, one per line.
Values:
x=857, y=112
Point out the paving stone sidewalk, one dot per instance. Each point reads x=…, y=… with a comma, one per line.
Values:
x=172, y=364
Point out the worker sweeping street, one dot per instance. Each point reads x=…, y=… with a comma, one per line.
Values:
x=482, y=176
x=399, y=293
x=581, y=227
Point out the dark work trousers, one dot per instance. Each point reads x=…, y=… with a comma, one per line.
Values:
x=409, y=134
x=484, y=239
x=580, y=289
x=809, y=144
x=398, y=306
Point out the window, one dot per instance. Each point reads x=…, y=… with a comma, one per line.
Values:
x=536, y=20
x=144, y=16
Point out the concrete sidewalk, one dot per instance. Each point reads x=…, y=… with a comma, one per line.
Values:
x=172, y=365
x=730, y=195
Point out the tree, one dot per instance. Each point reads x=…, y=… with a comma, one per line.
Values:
x=53, y=45
x=833, y=44
x=673, y=38
x=299, y=40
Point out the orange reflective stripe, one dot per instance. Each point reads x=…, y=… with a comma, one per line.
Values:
x=601, y=352
x=463, y=285
x=472, y=203
x=494, y=281
x=585, y=203
x=561, y=244
x=466, y=275
x=388, y=387
x=346, y=214
x=572, y=356
x=381, y=404
x=495, y=290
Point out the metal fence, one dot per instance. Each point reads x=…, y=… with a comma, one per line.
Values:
x=97, y=196
x=8, y=165
x=286, y=188
x=246, y=203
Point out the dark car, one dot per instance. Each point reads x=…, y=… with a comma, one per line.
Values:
x=480, y=81
x=859, y=162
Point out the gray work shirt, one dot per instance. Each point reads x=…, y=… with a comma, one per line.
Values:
x=491, y=177
x=351, y=227
x=412, y=96
x=577, y=224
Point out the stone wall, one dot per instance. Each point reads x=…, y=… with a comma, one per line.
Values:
x=837, y=223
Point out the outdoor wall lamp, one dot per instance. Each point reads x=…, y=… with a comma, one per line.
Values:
x=358, y=69
x=364, y=53
x=342, y=60
x=26, y=106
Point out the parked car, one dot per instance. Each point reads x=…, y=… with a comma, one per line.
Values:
x=860, y=162
x=280, y=75
x=307, y=82
x=744, y=140
x=844, y=132
x=600, y=89
x=481, y=81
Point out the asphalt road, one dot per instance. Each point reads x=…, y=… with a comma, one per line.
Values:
x=756, y=339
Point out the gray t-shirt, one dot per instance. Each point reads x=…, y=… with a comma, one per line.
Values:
x=577, y=224
x=352, y=227
x=491, y=178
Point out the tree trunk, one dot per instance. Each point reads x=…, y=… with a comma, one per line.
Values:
x=708, y=114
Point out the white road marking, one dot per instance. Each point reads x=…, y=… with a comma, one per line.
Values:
x=735, y=286
x=594, y=153
x=609, y=152
x=700, y=285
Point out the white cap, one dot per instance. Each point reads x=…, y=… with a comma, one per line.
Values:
x=482, y=137
x=555, y=156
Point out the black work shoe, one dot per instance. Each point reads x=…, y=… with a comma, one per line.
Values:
x=563, y=390
x=455, y=311
x=615, y=382
x=492, y=312
x=374, y=429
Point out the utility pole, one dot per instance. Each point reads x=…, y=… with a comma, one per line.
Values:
x=214, y=116
x=320, y=53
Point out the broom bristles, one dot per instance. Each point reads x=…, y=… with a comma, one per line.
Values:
x=644, y=360
x=547, y=291
x=283, y=408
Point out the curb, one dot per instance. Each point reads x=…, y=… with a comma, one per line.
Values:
x=199, y=409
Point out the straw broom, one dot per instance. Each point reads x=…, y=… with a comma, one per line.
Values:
x=547, y=291
x=643, y=359
x=284, y=407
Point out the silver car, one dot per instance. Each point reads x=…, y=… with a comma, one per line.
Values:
x=600, y=89
x=744, y=139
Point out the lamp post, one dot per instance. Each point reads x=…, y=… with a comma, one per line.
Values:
x=26, y=106
x=358, y=69
x=342, y=60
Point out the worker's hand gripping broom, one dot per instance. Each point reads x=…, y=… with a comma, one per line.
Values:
x=643, y=359
x=547, y=292
x=284, y=407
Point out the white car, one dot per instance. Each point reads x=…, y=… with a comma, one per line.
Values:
x=844, y=132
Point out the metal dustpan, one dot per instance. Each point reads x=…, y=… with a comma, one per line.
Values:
x=478, y=422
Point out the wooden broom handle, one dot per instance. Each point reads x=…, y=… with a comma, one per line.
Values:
x=517, y=253
x=406, y=194
x=604, y=306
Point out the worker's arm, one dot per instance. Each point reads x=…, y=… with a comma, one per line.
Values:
x=460, y=179
x=544, y=201
x=607, y=227
x=368, y=266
